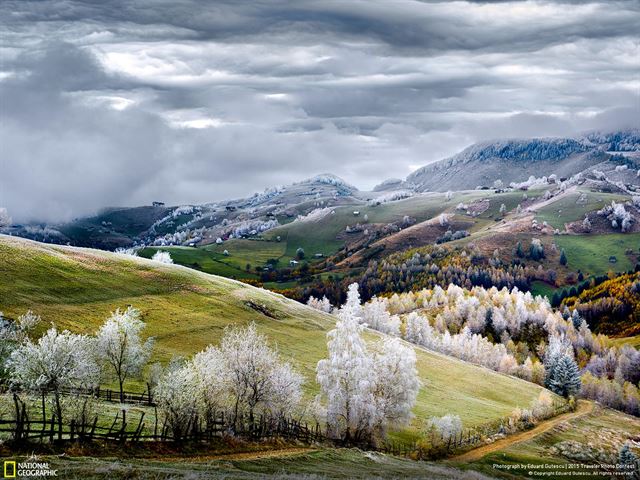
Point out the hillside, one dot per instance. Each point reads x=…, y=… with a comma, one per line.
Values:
x=186, y=310
x=514, y=160
x=158, y=224
x=612, y=307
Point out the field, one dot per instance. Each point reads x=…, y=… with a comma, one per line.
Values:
x=592, y=438
x=326, y=235
x=211, y=259
x=632, y=341
x=571, y=208
x=590, y=253
x=542, y=288
x=186, y=310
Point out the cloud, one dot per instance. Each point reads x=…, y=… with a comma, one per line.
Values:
x=119, y=102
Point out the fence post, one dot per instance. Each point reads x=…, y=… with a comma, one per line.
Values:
x=123, y=434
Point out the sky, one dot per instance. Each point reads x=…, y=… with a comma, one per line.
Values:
x=120, y=103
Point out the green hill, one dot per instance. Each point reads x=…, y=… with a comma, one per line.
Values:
x=186, y=310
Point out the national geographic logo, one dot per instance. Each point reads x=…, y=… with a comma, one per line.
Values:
x=28, y=469
x=9, y=469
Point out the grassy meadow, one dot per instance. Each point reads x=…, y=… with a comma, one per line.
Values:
x=186, y=310
x=590, y=253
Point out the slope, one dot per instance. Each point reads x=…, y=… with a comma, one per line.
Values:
x=186, y=310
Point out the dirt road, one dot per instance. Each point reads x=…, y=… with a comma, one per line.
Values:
x=584, y=408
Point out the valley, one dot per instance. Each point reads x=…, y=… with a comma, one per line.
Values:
x=453, y=276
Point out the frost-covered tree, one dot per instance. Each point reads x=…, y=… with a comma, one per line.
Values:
x=558, y=347
x=347, y=378
x=5, y=219
x=375, y=315
x=323, y=305
x=12, y=334
x=257, y=378
x=177, y=396
x=564, y=377
x=397, y=384
x=120, y=347
x=503, y=209
x=56, y=361
x=352, y=307
x=131, y=252
x=162, y=257
x=448, y=195
x=536, y=249
x=447, y=427
x=211, y=377
x=365, y=393
x=627, y=457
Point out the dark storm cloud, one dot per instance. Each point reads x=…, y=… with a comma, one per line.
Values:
x=123, y=102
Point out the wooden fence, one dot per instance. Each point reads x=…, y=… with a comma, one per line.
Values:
x=127, y=427
x=104, y=394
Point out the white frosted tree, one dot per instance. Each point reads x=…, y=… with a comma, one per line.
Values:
x=212, y=377
x=257, y=379
x=5, y=219
x=448, y=427
x=323, y=305
x=120, y=347
x=365, y=393
x=178, y=397
x=353, y=306
x=376, y=316
x=397, y=384
x=56, y=361
x=564, y=377
x=162, y=257
x=558, y=347
x=418, y=330
x=347, y=378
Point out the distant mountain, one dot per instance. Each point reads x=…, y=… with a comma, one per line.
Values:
x=515, y=160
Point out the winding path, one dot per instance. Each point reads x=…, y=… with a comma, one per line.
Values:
x=584, y=408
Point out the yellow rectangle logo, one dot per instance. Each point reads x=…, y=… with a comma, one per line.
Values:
x=9, y=469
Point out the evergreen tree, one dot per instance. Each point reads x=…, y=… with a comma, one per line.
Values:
x=536, y=250
x=576, y=319
x=519, y=251
x=563, y=257
x=564, y=377
x=626, y=456
x=488, y=322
